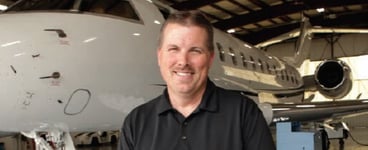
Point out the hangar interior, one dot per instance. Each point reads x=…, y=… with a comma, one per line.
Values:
x=256, y=21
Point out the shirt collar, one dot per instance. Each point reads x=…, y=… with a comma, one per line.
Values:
x=209, y=100
x=164, y=103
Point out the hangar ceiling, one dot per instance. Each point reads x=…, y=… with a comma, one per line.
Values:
x=255, y=21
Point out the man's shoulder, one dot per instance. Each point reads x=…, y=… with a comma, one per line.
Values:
x=143, y=111
x=231, y=93
x=147, y=107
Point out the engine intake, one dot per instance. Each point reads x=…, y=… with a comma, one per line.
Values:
x=333, y=78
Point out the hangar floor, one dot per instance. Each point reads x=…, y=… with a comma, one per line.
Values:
x=358, y=134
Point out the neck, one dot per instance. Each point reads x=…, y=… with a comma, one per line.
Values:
x=186, y=104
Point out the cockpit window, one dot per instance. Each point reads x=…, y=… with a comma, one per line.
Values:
x=120, y=8
x=28, y=5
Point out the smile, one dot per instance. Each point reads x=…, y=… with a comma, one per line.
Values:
x=183, y=73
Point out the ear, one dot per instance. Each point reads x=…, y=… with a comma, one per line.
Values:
x=212, y=57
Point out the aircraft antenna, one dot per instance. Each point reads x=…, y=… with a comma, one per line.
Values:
x=76, y=5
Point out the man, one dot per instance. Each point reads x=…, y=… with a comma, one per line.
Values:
x=192, y=113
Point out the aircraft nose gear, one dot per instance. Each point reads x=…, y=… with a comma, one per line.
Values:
x=51, y=137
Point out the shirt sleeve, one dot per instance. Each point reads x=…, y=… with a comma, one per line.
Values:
x=256, y=132
x=126, y=135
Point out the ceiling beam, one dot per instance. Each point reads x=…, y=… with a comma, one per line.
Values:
x=193, y=4
x=281, y=10
x=257, y=37
x=348, y=20
x=351, y=20
x=260, y=15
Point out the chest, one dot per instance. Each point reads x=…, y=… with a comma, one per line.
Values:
x=197, y=132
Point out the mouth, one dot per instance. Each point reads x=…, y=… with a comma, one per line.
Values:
x=183, y=74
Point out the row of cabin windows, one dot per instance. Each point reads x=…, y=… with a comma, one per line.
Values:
x=263, y=66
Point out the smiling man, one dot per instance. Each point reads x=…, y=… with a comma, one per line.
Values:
x=193, y=113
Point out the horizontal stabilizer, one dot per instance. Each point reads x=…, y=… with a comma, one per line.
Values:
x=316, y=111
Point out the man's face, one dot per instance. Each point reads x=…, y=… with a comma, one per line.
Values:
x=184, y=58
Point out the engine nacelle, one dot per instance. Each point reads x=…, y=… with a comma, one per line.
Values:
x=333, y=79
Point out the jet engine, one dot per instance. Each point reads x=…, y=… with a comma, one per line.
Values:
x=333, y=78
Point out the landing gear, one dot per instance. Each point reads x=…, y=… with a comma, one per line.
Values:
x=51, y=138
x=341, y=140
x=342, y=144
x=334, y=131
x=325, y=140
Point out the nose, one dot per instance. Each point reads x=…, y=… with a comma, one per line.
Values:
x=183, y=59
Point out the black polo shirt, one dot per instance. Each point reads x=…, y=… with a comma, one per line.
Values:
x=224, y=120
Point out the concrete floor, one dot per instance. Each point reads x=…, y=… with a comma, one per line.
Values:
x=356, y=135
x=359, y=134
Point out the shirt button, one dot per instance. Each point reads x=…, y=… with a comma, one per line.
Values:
x=185, y=123
x=184, y=137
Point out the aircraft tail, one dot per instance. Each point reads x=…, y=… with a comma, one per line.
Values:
x=302, y=45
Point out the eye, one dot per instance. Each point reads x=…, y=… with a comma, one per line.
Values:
x=197, y=50
x=172, y=48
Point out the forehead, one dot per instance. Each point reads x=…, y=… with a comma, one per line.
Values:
x=174, y=25
x=175, y=29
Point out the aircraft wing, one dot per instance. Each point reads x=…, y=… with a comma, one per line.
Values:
x=317, y=111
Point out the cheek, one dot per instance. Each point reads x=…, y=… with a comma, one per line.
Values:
x=167, y=60
x=201, y=63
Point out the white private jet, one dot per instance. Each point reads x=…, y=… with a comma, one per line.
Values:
x=82, y=65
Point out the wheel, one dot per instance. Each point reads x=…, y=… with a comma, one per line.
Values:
x=95, y=141
x=325, y=140
x=114, y=140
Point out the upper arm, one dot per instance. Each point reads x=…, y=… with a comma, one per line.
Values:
x=256, y=132
x=126, y=135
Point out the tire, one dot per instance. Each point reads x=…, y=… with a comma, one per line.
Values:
x=114, y=139
x=95, y=141
x=325, y=140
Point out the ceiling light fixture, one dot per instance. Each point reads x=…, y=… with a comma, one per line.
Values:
x=231, y=31
x=3, y=7
x=320, y=10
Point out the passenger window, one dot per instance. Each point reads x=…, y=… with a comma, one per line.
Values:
x=268, y=67
x=260, y=65
x=243, y=59
x=221, y=51
x=296, y=81
x=232, y=55
x=274, y=69
x=283, y=75
x=253, y=63
x=278, y=73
